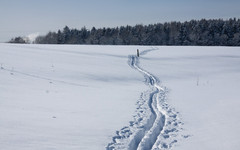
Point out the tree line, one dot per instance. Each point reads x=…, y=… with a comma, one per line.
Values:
x=213, y=32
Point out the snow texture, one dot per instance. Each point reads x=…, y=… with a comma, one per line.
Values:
x=156, y=124
x=76, y=97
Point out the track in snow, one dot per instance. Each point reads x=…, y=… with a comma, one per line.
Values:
x=156, y=124
x=12, y=72
x=157, y=119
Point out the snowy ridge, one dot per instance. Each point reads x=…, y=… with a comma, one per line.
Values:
x=156, y=123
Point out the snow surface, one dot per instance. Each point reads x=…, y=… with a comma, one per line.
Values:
x=65, y=97
x=204, y=85
x=77, y=97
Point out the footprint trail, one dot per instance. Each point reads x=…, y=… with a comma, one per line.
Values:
x=156, y=124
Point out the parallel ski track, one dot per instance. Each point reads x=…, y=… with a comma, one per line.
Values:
x=145, y=136
x=157, y=119
x=156, y=124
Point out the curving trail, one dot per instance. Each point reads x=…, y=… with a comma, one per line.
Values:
x=157, y=120
x=156, y=124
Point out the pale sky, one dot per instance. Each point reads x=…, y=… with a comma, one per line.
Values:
x=24, y=17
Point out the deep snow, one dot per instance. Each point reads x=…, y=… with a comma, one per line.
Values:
x=65, y=97
x=204, y=85
x=77, y=97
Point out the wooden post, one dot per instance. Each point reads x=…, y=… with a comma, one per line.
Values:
x=137, y=53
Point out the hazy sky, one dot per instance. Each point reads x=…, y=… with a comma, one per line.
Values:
x=23, y=17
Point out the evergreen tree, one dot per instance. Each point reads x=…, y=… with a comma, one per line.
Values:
x=194, y=32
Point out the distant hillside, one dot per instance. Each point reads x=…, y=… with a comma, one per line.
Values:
x=216, y=32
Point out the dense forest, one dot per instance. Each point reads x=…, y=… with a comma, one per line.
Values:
x=217, y=32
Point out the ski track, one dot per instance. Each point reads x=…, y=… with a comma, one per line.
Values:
x=156, y=124
x=12, y=72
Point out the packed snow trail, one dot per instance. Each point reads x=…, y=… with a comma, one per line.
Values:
x=157, y=121
x=155, y=124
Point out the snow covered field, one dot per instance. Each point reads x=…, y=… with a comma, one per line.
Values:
x=98, y=97
x=204, y=85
